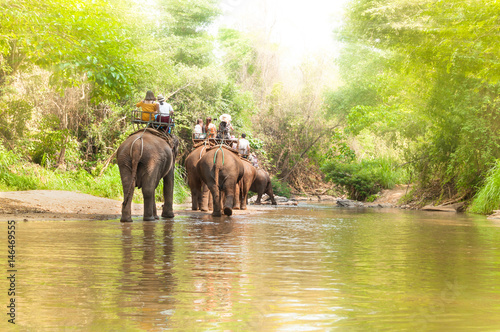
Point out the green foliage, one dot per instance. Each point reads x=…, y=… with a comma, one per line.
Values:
x=239, y=55
x=72, y=38
x=363, y=179
x=13, y=117
x=181, y=190
x=424, y=76
x=187, y=24
x=280, y=188
x=10, y=177
x=16, y=174
x=45, y=145
x=487, y=198
x=339, y=148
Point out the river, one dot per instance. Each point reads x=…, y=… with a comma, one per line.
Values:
x=306, y=268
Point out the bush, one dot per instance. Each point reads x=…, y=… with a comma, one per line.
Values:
x=16, y=174
x=181, y=190
x=362, y=179
x=280, y=188
x=487, y=198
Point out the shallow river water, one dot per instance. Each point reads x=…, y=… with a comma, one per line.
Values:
x=307, y=268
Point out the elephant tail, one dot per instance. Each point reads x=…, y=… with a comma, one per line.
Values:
x=217, y=167
x=135, y=157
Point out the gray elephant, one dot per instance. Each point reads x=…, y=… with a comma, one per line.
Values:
x=243, y=186
x=145, y=158
x=221, y=169
x=199, y=190
x=262, y=185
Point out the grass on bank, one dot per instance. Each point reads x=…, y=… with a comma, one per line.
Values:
x=363, y=179
x=487, y=198
x=17, y=174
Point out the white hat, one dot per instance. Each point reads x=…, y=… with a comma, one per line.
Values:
x=160, y=98
x=225, y=118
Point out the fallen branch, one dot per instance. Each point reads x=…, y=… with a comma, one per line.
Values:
x=106, y=164
x=309, y=147
x=180, y=89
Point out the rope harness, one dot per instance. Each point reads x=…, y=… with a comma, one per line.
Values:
x=167, y=137
x=142, y=143
x=204, y=148
x=215, y=154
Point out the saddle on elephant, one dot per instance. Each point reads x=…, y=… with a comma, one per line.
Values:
x=169, y=138
x=223, y=146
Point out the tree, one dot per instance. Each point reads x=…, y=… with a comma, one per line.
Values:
x=79, y=41
x=431, y=69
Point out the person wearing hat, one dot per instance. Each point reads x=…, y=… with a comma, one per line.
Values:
x=225, y=126
x=148, y=106
x=165, y=110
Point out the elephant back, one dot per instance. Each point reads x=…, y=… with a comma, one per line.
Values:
x=171, y=140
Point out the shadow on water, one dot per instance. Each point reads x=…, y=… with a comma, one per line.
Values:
x=312, y=267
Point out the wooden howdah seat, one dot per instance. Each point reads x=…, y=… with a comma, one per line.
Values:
x=228, y=142
x=137, y=117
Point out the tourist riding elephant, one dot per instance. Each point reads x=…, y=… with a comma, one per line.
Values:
x=261, y=185
x=244, y=185
x=145, y=158
x=221, y=169
x=199, y=190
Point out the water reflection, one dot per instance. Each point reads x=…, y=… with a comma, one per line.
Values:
x=308, y=268
x=147, y=281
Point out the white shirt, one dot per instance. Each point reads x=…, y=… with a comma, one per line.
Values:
x=244, y=144
x=197, y=129
x=166, y=109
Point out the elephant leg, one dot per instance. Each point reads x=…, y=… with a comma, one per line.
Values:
x=259, y=197
x=155, y=213
x=194, y=199
x=270, y=193
x=126, y=208
x=210, y=201
x=214, y=190
x=222, y=199
x=229, y=188
x=168, y=194
x=206, y=202
x=244, y=193
x=199, y=198
x=149, y=203
x=236, y=204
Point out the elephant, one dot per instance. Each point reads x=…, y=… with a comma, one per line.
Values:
x=244, y=185
x=221, y=169
x=144, y=158
x=199, y=190
x=261, y=185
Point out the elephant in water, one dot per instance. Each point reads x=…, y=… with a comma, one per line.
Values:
x=262, y=185
x=199, y=190
x=221, y=169
x=244, y=184
x=144, y=158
